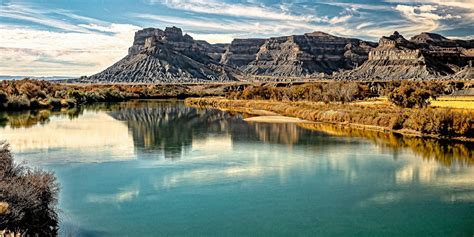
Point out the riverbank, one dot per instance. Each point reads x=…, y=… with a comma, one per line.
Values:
x=427, y=122
x=28, y=94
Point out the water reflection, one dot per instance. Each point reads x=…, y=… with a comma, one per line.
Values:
x=24, y=119
x=169, y=129
x=95, y=137
x=444, y=151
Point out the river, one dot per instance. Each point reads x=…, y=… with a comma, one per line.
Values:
x=159, y=168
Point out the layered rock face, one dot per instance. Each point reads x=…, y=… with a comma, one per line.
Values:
x=297, y=55
x=241, y=52
x=168, y=56
x=424, y=56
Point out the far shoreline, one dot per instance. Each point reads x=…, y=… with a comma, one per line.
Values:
x=258, y=114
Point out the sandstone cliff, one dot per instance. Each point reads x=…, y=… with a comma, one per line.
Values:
x=296, y=55
x=169, y=56
x=424, y=56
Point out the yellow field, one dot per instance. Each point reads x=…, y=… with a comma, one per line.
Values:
x=458, y=102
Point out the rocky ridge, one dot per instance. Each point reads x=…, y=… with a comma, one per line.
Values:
x=297, y=55
x=169, y=56
x=424, y=56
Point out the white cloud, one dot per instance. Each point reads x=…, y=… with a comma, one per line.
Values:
x=226, y=30
x=465, y=4
x=462, y=10
x=214, y=38
x=89, y=45
x=339, y=19
x=254, y=19
x=66, y=49
x=240, y=10
x=423, y=18
x=364, y=25
x=33, y=52
x=34, y=15
x=357, y=6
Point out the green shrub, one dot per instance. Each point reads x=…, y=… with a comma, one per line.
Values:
x=77, y=95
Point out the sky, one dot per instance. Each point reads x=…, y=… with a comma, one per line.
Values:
x=83, y=37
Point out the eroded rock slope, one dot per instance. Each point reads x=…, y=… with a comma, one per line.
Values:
x=424, y=56
x=169, y=56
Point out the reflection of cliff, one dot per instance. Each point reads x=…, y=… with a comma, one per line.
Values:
x=170, y=126
x=285, y=133
x=446, y=152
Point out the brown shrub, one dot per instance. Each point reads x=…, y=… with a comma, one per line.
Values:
x=335, y=91
x=31, y=90
x=31, y=196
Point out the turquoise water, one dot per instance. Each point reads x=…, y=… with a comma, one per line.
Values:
x=163, y=169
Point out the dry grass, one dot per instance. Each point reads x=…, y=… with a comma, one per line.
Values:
x=457, y=102
x=382, y=100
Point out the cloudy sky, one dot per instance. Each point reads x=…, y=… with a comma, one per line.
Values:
x=80, y=37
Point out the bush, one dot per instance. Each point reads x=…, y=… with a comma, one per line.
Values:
x=93, y=96
x=326, y=92
x=396, y=122
x=409, y=97
x=55, y=103
x=77, y=95
x=29, y=198
x=31, y=90
x=3, y=98
x=18, y=103
x=34, y=104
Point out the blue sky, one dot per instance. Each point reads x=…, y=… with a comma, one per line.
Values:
x=73, y=38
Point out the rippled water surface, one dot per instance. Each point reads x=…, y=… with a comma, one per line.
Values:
x=159, y=168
